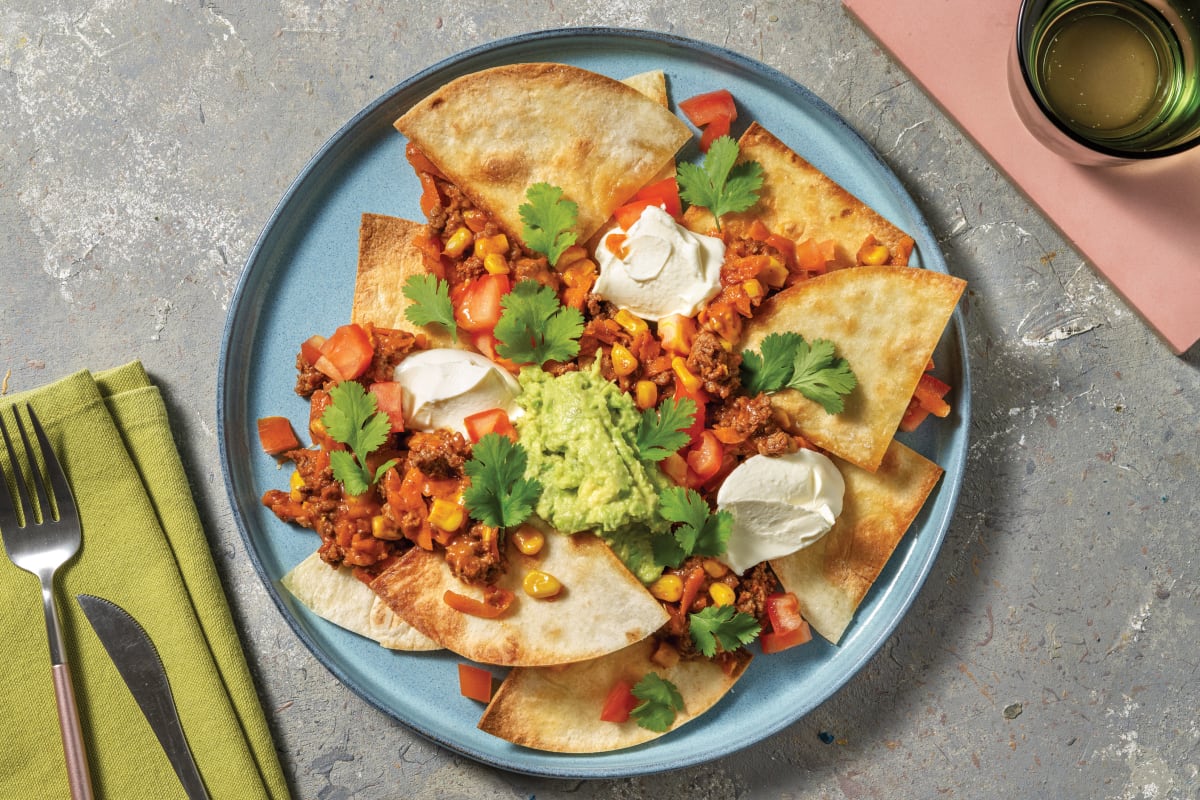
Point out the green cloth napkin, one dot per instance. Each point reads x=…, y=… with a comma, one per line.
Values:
x=144, y=549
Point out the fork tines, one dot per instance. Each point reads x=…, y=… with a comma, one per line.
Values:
x=31, y=492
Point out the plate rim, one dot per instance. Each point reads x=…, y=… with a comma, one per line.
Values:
x=931, y=257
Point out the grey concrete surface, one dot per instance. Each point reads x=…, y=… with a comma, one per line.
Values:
x=1052, y=652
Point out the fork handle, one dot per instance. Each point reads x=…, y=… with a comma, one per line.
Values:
x=78, y=775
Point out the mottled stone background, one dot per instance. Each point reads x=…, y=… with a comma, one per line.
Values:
x=1052, y=653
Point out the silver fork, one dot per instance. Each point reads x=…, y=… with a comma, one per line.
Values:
x=41, y=548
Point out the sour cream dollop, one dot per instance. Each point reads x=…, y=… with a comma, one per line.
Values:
x=443, y=386
x=779, y=505
x=663, y=268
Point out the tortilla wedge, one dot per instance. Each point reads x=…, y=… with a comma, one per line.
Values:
x=602, y=607
x=832, y=576
x=558, y=708
x=800, y=202
x=497, y=132
x=886, y=321
x=339, y=597
x=387, y=258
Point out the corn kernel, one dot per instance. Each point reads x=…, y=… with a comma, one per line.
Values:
x=645, y=394
x=753, y=288
x=487, y=245
x=676, y=333
x=721, y=594
x=874, y=255
x=714, y=568
x=623, y=361
x=630, y=321
x=541, y=585
x=689, y=380
x=377, y=526
x=668, y=588
x=457, y=244
x=445, y=514
x=495, y=264
x=774, y=274
x=529, y=540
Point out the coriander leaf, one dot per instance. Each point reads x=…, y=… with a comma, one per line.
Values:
x=821, y=377
x=663, y=430
x=548, y=220
x=700, y=531
x=721, y=626
x=660, y=702
x=352, y=418
x=535, y=327
x=499, y=495
x=720, y=185
x=666, y=550
x=430, y=296
x=771, y=371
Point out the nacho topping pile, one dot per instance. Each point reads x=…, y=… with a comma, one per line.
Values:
x=608, y=421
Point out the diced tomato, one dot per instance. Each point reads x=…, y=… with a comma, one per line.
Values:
x=320, y=401
x=494, y=420
x=703, y=109
x=675, y=467
x=346, y=354
x=310, y=350
x=700, y=398
x=692, y=582
x=629, y=213
x=914, y=415
x=477, y=302
x=783, y=611
x=389, y=398
x=276, y=436
x=706, y=457
x=494, y=603
x=475, y=682
x=813, y=256
x=619, y=703
x=773, y=642
x=431, y=198
x=419, y=161
x=786, y=248
x=663, y=193
x=930, y=392
x=714, y=130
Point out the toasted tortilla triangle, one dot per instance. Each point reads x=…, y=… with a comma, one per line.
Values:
x=800, y=202
x=886, y=321
x=602, y=607
x=339, y=597
x=497, y=132
x=387, y=258
x=832, y=576
x=558, y=708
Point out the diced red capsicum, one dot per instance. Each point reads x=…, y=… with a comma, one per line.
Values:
x=475, y=682
x=276, y=436
x=494, y=603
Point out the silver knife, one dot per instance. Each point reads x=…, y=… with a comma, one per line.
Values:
x=139, y=664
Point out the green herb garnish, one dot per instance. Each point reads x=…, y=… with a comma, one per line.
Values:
x=719, y=185
x=787, y=361
x=722, y=626
x=699, y=530
x=663, y=430
x=548, y=220
x=535, y=327
x=661, y=701
x=499, y=493
x=352, y=418
x=430, y=304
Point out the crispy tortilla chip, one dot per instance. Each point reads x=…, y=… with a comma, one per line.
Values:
x=387, y=257
x=558, y=708
x=832, y=575
x=497, y=132
x=886, y=322
x=801, y=202
x=653, y=84
x=602, y=607
x=339, y=597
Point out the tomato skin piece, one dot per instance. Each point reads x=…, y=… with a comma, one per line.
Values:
x=477, y=302
x=494, y=420
x=619, y=703
x=703, y=109
x=276, y=436
x=389, y=398
x=346, y=354
x=475, y=683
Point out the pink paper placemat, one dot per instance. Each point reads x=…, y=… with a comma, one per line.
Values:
x=1139, y=224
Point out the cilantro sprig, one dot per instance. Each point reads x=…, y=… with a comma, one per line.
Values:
x=698, y=530
x=660, y=702
x=548, y=221
x=499, y=495
x=720, y=185
x=663, y=430
x=722, y=626
x=535, y=327
x=787, y=361
x=352, y=418
x=430, y=302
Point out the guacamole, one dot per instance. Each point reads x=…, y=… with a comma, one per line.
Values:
x=579, y=431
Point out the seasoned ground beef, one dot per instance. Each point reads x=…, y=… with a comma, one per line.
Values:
x=308, y=377
x=714, y=365
x=474, y=556
x=753, y=424
x=440, y=454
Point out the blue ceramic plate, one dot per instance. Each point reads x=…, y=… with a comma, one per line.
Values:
x=299, y=280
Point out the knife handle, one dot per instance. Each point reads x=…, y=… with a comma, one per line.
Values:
x=78, y=775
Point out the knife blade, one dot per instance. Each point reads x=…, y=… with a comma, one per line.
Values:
x=138, y=662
